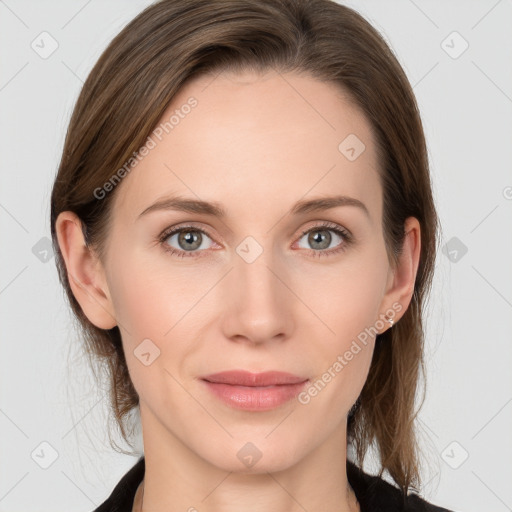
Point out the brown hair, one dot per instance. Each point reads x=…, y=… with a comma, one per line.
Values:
x=132, y=84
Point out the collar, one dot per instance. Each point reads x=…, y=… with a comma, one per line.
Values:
x=372, y=492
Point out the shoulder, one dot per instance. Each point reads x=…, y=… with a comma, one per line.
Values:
x=121, y=498
x=375, y=494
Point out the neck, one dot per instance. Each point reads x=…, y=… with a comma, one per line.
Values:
x=177, y=479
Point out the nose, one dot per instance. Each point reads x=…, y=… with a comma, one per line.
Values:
x=258, y=304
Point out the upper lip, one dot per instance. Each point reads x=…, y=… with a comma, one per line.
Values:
x=245, y=378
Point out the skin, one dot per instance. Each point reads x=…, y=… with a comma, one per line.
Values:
x=256, y=144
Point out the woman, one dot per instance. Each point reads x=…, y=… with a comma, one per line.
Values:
x=244, y=226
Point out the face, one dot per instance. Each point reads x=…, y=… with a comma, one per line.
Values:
x=267, y=285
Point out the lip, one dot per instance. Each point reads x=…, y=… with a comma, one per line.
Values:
x=245, y=378
x=254, y=391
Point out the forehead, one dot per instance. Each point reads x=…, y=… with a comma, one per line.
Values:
x=251, y=139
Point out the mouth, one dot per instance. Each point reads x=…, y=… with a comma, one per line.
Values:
x=254, y=391
x=244, y=378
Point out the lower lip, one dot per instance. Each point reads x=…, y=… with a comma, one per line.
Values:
x=255, y=398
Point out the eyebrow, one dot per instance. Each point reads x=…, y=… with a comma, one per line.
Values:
x=183, y=204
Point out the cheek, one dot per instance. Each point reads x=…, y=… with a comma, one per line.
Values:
x=346, y=297
x=151, y=295
x=348, y=302
x=159, y=300
x=152, y=301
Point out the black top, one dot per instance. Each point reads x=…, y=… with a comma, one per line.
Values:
x=373, y=493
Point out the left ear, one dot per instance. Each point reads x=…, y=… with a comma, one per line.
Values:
x=400, y=284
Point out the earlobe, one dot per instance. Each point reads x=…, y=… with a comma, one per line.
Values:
x=85, y=273
x=402, y=278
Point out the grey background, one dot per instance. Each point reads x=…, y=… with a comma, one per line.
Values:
x=47, y=393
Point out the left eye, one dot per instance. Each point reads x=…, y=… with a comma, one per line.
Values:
x=320, y=238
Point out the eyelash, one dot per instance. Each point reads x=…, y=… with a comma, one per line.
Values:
x=344, y=234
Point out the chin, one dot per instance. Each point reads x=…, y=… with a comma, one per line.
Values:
x=255, y=454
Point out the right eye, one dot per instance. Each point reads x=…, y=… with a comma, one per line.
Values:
x=188, y=241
